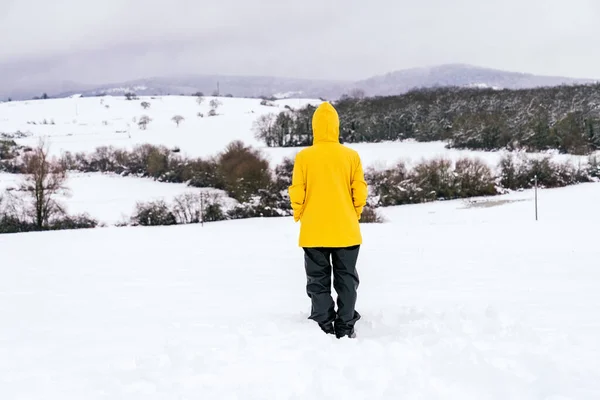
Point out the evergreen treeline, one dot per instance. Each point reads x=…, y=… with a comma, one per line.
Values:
x=566, y=118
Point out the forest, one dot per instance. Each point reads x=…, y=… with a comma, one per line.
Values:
x=563, y=118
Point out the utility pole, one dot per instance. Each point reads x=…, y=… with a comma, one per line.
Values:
x=535, y=180
x=202, y=208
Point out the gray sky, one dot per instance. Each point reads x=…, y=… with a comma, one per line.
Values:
x=99, y=41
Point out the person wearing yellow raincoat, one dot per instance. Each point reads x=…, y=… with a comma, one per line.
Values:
x=328, y=194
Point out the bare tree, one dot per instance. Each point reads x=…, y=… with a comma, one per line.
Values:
x=188, y=208
x=145, y=105
x=263, y=129
x=144, y=121
x=45, y=180
x=214, y=105
x=177, y=119
x=199, y=98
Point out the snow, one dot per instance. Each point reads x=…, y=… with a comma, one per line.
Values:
x=482, y=85
x=82, y=125
x=467, y=299
x=460, y=300
x=110, y=198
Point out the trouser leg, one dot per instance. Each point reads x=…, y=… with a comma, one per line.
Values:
x=318, y=287
x=345, y=282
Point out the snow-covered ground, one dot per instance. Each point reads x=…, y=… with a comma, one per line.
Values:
x=83, y=124
x=460, y=300
x=110, y=198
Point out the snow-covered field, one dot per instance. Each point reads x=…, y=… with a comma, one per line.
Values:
x=459, y=301
x=468, y=299
x=110, y=198
x=83, y=124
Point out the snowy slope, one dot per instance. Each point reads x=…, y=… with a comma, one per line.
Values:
x=459, y=75
x=459, y=301
x=83, y=124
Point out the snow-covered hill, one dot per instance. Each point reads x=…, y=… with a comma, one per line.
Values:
x=458, y=75
x=393, y=83
x=83, y=124
x=459, y=301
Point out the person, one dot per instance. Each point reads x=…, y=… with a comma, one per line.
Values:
x=327, y=194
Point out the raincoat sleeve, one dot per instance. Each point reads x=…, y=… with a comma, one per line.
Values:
x=359, y=188
x=297, y=191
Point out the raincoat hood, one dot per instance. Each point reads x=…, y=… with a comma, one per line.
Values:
x=326, y=124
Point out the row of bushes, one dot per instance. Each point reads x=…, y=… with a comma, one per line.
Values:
x=442, y=179
x=244, y=174
x=239, y=170
x=188, y=208
x=193, y=208
x=437, y=179
x=12, y=224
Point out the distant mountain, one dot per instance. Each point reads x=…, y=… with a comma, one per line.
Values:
x=458, y=75
x=251, y=86
x=239, y=86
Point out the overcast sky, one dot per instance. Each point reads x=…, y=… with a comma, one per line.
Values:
x=100, y=41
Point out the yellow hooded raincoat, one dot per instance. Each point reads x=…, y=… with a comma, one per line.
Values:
x=328, y=190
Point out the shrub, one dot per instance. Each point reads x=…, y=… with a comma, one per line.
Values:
x=508, y=172
x=435, y=179
x=144, y=121
x=178, y=119
x=82, y=221
x=188, y=208
x=593, y=169
x=268, y=203
x=265, y=102
x=473, y=178
x=371, y=215
x=12, y=224
x=244, y=171
x=283, y=174
x=153, y=213
x=203, y=173
x=8, y=149
x=430, y=180
x=393, y=186
x=214, y=212
x=521, y=174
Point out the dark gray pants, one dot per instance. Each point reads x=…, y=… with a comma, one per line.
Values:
x=318, y=264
